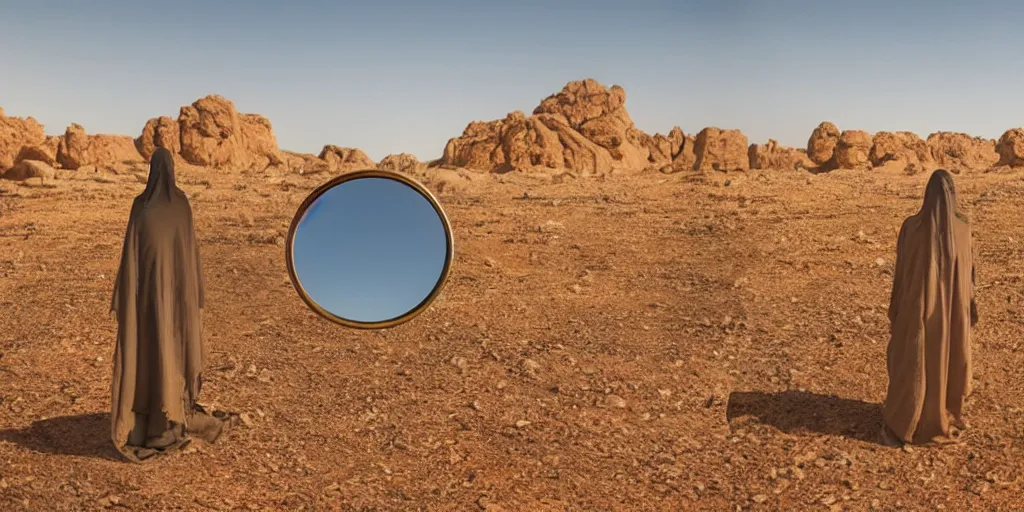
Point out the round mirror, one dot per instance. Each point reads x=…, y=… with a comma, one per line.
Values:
x=369, y=249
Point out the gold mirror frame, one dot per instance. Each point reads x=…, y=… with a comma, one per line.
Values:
x=339, y=180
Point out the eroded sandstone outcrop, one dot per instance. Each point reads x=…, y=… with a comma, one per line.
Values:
x=584, y=128
x=721, y=150
x=159, y=132
x=774, y=156
x=16, y=133
x=852, y=150
x=211, y=133
x=961, y=151
x=904, y=147
x=1011, y=148
x=340, y=158
x=822, y=143
x=27, y=169
x=77, y=148
x=400, y=162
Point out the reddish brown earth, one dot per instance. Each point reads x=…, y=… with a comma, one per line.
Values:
x=690, y=341
x=630, y=340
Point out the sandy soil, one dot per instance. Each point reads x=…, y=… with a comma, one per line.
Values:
x=640, y=342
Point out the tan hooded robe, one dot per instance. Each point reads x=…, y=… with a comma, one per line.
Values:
x=932, y=311
x=158, y=297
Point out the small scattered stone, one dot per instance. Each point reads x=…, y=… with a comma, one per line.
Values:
x=615, y=401
x=760, y=498
x=531, y=366
x=523, y=423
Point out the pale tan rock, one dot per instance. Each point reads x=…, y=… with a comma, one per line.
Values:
x=721, y=150
x=822, y=143
x=76, y=148
x=1011, y=148
x=16, y=133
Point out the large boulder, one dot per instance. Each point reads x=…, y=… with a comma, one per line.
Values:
x=852, y=151
x=1011, y=148
x=27, y=169
x=259, y=142
x=962, y=151
x=338, y=158
x=520, y=143
x=774, y=156
x=903, y=147
x=686, y=158
x=213, y=134
x=663, y=149
x=822, y=143
x=721, y=150
x=584, y=128
x=45, y=152
x=401, y=162
x=599, y=114
x=16, y=133
x=159, y=132
x=305, y=162
x=76, y=149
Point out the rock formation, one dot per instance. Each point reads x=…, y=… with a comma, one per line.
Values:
x=903, y=147
x=27, y=169
x=673, y=152
x=211, y=133
x=961, y=151
x=45, y=152
x=401, y=162
x=1011, y=148
x=822, y=144
x=338, y=158
x=831, y=149
x=852, y=151
x=15, y=134
x=774, y=156
x=76, y=149
x=159, y=132
x=583, y=128
x=721, y=150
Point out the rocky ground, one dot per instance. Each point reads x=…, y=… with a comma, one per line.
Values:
x=639, y=341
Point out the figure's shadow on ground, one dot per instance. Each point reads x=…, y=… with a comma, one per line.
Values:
x=83, y=435
x=801, y=412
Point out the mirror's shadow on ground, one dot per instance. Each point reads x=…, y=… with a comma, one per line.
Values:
x=82, y=435
x=802, y=412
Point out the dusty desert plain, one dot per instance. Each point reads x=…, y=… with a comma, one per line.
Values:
x=632, y=322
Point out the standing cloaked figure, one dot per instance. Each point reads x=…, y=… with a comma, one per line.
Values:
x=932, y=310
x=158, y=298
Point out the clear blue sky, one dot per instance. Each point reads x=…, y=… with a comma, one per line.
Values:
x=390, y=76
x=370, y=249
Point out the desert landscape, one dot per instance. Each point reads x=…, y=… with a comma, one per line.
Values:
x=632, y=322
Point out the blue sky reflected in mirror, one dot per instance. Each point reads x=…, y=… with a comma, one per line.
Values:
x=370, y=249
